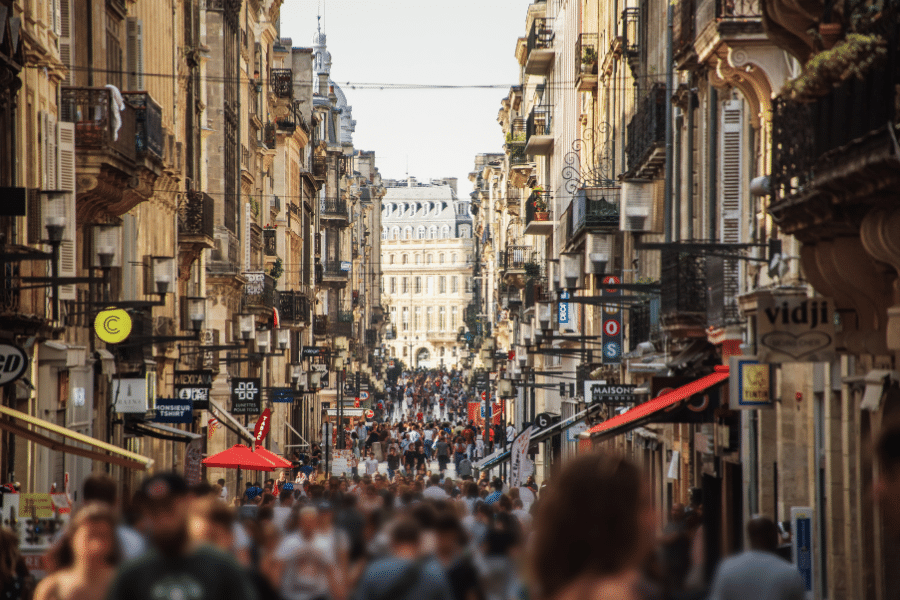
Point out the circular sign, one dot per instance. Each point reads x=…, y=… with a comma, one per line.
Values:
x=611, y=350
x=364, y=396
x=611, y=327
x=611, y=279
x=13, y=363
x=112, y=326
x=543, y=420
x=484, y=395
x=370, y=414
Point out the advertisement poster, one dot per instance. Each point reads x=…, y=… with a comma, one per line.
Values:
x=520, y=466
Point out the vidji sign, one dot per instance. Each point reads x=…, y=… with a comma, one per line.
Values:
x=794, y=328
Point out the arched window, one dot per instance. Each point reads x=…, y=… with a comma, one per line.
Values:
x=404, y=259
x=391, y=259
x=441, y=258
x=407, y=233
x=420, y=233
x=445, y=232
x=395, y=233
x=429, y=258
x=418, y=259
x=453, y=258
x=432, y=233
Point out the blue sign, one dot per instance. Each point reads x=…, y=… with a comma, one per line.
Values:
x=174, y=410
x=282, y=395
x=564, y=312
x=345, y=265
x=801, y=526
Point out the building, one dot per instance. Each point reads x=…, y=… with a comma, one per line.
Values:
x=427, y=254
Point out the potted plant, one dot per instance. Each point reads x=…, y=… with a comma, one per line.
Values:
x=541, y=212
x=588, y=59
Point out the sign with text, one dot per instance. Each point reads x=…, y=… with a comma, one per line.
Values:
x=284, y=394
x=245, y=396
x=312, y=351
x=613, y=393
x=751, y=383
x=794, y=328
x=13, y=363
x=130, y=395
x=612, y=323
x=174, y=410
x=589, y=387
x=564, y=311
x=36, y=505
x=262, y=427
x=194, y=386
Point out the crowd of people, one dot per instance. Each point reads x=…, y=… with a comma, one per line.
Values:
x=590, y=533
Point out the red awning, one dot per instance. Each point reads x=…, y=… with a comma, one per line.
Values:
x=273, y=458
x=645, y=412
x=239, y=456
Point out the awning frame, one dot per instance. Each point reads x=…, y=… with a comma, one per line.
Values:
x=231, y=423
x=297, y=433
x=162, y=432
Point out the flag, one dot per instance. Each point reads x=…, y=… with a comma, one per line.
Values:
x=212, y=426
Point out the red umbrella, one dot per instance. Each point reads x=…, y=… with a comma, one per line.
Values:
x=239, y=457
x=278, y=461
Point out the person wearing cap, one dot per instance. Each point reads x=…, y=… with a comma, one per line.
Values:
x=172, y=567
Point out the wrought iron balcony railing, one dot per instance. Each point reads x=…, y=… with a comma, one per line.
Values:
x=333, y=207
x=683, y=284
x=294, y=307
x=335, y=268
x=371, y=337
x=540, y=36
x=538, y=122
x=270, y=244
x=269, y=136
x=148, y=124
x=340, y=323
x=196, y=215
x=517, y=256
x=647, y=128
x=259, y=291
x=594, y=209
x=586, y=54
x=537, y=289
x=320, y=167
x=282, y=81
x=537, y=207
x=95, y=129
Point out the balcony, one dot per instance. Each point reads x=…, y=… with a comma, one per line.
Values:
x=196, y=220
x=592, y=209
x=586, y=61
x=336, y=271
x=683, y=298
x=270, y=243
x=148, y=124
x=539, y=222
x=520, y=263
x=538, y=140
x=540, y=47
x=259, y=294
x=371, y=338
x=333, y=209
x=282, y=81
x=340, y=323
x=293, y=307
x=646, y=147
x=269, y=136
x=320, y=325
x=320, y=167
x=537, y=289
x=89, y=109
x=510, y=298
x=643, y=321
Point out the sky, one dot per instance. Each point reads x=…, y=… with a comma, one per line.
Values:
x=428, y=133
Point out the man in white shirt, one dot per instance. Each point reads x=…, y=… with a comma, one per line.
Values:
x=510, y=433
x=434, y=490
x=371, y=464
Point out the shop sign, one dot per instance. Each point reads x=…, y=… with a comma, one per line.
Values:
x=612, y=324
x=589, y=387
x=262, y=427
x=794, y=328
x=345, y=265
x=194, y=386
x=245, y=396
x=130, y=395
x=282, y=394
x=751, y=383
x=616, y=393
x=13, y=363
x=36, y=505
x=174, y=410
x=311, y=351
x=112, y=326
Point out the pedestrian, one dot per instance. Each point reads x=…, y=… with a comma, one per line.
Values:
x=85, y=557
x=600, y=556
x=393, y=462
x=16, y=583
x=434, y=491
x=451, y=540
x=442, y=449
x=306, y=562
x=758, y=572
x=371, y=464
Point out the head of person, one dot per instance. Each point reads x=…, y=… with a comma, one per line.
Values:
x=497, y=484
x=100, y=488
x=406, y=538
x=435, y=479
x=211, y=522
x=90, y=538
x=9, y=555
x=887, y=485
x=165, y=504
x=762, y=534
x=569, y=551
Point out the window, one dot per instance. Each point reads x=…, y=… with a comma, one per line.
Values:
x=468, y=285
x=417, y=318
x=441, y=258
x=445, y=232
x=405, y=318
x=442, y=285
x=382, y=285
x=404, y=259
x=407, y=233
x=420, y=233
x=395, y=233
x=394, y=315
x=384, y=233
x=454, y=285
x=442, y=321
x=429, y=318
x=453, y=258
x=429, y=259
x=432, y=233
x=404, y=286
x=418, y=285
x=464, y=231
x=391, y=259
x=453, y=319
x=393, y=285
x=418, y=259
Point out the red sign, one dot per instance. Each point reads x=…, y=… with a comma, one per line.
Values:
x=483, y=396
x=370, y=414
x=611, y=279
x=262, y=427
x=611, y=327
x=356, y=403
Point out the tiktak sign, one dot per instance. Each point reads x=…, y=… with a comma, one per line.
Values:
x=794, y=328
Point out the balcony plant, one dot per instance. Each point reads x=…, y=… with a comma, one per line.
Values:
x=853, y=56
x=277, y=269
x=589, y=59
x=541, y=211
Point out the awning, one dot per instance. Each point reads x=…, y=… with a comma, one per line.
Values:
x=160, y=431
x=644, y=413
x=229, y=421
x=496, y=458
x=348, y=412
x=115, y=455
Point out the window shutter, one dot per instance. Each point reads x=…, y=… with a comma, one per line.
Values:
x=65, y=38
x=66, y=174
x=731, y=176
x=134, y=30
x=49, y=159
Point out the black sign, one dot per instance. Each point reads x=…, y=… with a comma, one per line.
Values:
x=612, y=393
x=281, y=394
x=311, y=351
x=174, y=410
x=245, y=396
x=544, y=420
x=194, y=386
x=699, y=408
x=13, y=363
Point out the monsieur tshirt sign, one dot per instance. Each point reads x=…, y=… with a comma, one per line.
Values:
x=794, y=328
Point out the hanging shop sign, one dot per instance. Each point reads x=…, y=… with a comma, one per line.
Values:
x=612, y=324
x=245, y=396
x=345, y=265
x=262, y=427
x=794, y=328
x=614, y=393
x=13, y=363
x=112, y=326
x=134, y=394
x=592, y=390
x=194, y=386
x=699, y=408
x=751, y=383
x=174, y=410
x=282, y=394
x=564, y=314
x=312, y=351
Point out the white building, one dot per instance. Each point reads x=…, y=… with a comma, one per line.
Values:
x=427, y=253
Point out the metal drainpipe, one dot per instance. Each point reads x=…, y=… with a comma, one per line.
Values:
x=667, y=194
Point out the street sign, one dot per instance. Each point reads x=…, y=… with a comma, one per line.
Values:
x=609, y=393
x=13, y=363
x=363, y=396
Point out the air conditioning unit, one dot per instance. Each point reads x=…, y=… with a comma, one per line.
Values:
x=598, y=252
x=637, y=212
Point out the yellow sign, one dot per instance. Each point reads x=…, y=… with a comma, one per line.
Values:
x=112, y=326
x=39, y=505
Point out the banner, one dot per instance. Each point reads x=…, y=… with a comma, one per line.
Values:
x=174, y=410
x=262, y=427
x=211, y=427
x=520, y=467
x=475, y=410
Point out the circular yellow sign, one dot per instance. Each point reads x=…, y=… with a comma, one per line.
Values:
x=112, y=326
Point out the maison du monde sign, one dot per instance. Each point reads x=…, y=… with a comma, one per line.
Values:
x=794, y=328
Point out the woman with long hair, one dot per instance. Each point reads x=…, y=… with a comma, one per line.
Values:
x=594, y=529
x=15, y=582
x=85, y=558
